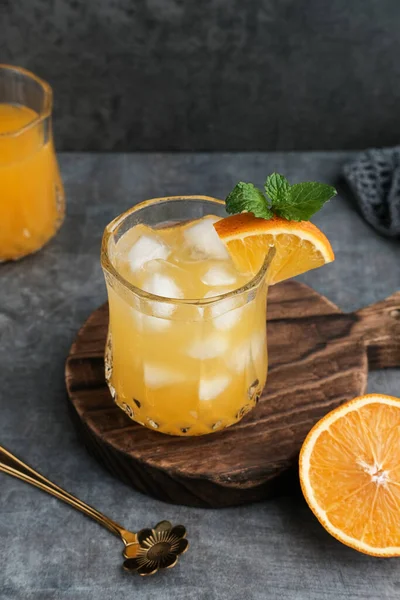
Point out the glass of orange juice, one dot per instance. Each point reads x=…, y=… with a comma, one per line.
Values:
x=31, y=192
x=186, y=352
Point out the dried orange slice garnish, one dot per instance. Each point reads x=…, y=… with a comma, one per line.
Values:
x=350, y=473
x=300, y=245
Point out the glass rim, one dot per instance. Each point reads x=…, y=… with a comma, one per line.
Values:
x=47, y=104
x=108, y=267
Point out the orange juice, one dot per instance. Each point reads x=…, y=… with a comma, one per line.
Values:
x=31, y=194
x=184, y=369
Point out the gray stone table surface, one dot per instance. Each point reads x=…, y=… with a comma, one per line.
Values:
x=272, y=550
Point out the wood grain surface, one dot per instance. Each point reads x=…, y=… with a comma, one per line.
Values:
x=318, y=358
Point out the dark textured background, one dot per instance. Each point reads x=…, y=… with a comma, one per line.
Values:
x=213, y=74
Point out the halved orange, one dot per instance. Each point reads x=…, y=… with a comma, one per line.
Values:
x=350, y=474
x=300, y=245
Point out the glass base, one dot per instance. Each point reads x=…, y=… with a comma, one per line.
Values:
x=23, y=249
x=199, y=428
x=142, y=415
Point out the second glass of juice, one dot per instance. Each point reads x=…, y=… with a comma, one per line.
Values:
x=186, y=351
x=31, y=192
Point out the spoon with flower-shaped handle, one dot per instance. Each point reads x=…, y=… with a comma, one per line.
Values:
x=145, y=551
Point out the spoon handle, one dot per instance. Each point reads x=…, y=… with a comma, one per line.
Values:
x=11, y=465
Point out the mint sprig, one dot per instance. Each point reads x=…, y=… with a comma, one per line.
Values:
x=245, y=197
x=296, y=202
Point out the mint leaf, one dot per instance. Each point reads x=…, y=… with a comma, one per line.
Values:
x=296, y=202
x=303, y=200
x=245, y=197
x=277, y=188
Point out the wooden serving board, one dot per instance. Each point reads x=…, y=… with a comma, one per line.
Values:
x=319, y=357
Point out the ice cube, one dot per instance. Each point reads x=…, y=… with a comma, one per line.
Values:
x=213, y=387
x=204, y=240
x=216, y=292
x=227, y=320
x=221, y=306
x=180, y=276
x=155, y=323
x=258, y=344
x=162, y=285
x=165, y=286
x=143, y=322
x=240, y=357
x=156, y=376
x=219, y=275
x=147, y=248
x=225, y=312
x=209, y=347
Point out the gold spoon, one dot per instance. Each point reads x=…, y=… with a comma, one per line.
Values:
x=145, y=551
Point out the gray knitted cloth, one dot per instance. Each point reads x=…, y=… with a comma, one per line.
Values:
x=374, y=178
